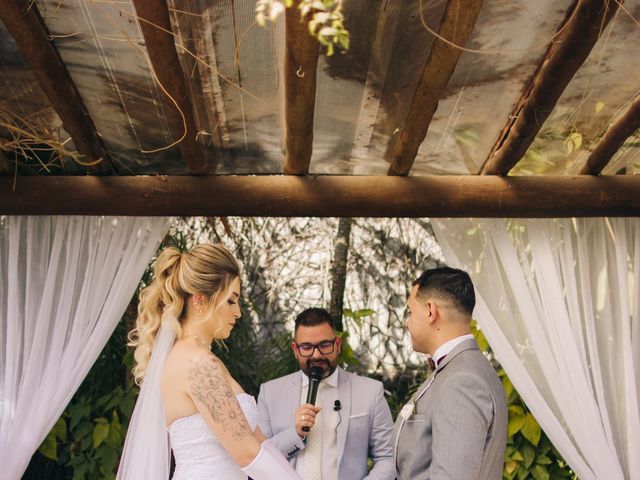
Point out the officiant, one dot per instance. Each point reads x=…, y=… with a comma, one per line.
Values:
x=350, y=421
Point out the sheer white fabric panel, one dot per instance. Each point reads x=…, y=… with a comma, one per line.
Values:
x=558, y=300
x=64, y=284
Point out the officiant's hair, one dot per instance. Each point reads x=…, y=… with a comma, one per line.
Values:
x=450, y=284
x=207, y=269
x=314, y=316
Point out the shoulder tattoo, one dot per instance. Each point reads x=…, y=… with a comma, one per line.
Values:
x=209, y=385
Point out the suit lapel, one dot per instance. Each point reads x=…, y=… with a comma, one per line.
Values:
x=293, y=395
x=423, y=388
x=466, y=345
x=344, y=395
x=291, y=400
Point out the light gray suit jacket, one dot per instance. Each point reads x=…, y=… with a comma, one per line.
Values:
x=365, y=429
x=458, y=428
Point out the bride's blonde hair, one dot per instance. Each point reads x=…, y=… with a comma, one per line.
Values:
x=207, y=269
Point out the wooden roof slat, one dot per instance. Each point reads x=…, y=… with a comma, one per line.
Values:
x=156, y=28
x=300, y=64
x=324, y=196
x=5, y=165
x=571, y=46
x=456, y=26
x=24, y=23
x=613, y=139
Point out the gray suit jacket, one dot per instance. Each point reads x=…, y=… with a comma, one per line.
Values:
x=365, y=429
x=458, y=428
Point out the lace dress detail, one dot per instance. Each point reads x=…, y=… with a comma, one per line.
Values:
x=198, y=453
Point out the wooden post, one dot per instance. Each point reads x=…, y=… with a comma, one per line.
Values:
x=156, y=29
x=613, y=139
x=301, y=61
x=456, y=26
x=23, y=21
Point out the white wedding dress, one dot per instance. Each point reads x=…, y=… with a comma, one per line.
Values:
x=198, y=453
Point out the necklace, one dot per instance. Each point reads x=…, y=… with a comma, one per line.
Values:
x=198, y=340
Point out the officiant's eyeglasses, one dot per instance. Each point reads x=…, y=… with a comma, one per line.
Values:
x=325, y=347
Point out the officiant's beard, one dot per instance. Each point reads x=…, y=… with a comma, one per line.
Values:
x=328, y=366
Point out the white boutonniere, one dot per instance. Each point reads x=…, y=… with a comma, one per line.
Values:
x=407, y=410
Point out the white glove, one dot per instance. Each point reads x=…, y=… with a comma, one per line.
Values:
x=270, y=464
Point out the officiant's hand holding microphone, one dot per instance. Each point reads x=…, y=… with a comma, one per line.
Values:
x=305, y=415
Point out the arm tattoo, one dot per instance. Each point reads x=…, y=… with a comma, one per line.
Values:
x=209, y=385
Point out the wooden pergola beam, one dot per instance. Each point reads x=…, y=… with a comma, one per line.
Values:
x=456, y=26
x=300, y=64
x=153, y=16
x=325, y=196
x=584, y=25
x=613, y=139
x=24, y=23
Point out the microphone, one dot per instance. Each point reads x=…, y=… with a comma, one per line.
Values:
x=315, y=375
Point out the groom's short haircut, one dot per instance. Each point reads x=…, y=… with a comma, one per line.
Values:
x=314, y=316
x=448, y=284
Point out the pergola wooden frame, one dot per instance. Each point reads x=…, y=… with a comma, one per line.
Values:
x=489, y=194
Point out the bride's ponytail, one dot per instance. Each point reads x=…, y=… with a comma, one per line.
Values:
x=163, y=298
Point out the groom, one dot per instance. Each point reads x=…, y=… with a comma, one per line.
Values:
x=455, y=426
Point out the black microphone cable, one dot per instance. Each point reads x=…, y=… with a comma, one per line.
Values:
x=336, y=408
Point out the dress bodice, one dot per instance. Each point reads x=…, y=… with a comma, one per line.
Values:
x=198, y=453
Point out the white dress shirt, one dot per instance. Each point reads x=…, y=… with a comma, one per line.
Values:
x=447, y=347
x=327, y=395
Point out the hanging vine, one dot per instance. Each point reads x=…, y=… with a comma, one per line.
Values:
x=326, y=21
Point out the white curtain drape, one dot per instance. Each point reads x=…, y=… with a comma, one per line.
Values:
x=558, y=300
x=64, y=284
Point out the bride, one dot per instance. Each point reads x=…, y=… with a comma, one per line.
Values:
x=188, y=399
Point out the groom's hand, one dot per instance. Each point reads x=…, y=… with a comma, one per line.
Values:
x=305, y=416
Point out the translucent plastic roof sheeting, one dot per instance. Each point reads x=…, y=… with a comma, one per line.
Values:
x=597, y=95
x=509, y=41
x=235, y=72
x=101, y=44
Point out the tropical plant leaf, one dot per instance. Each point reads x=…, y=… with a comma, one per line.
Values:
x=573, y=142
x=510, y=466
x=539, y=472
x=49, y=447
x=516, y=410
x=531, y=429
x=516, y=422
x=529, y=454
x=100, y=433
x=543, y=460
